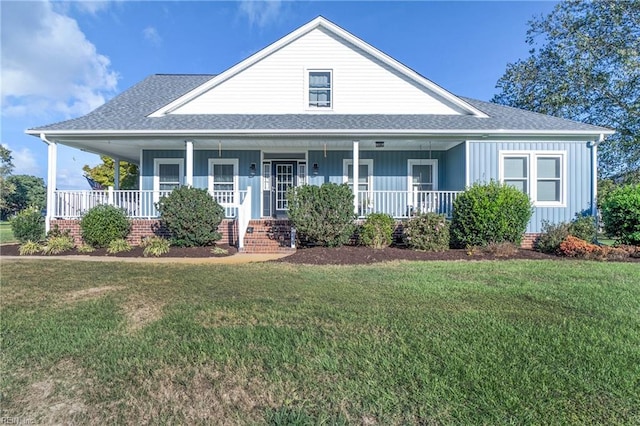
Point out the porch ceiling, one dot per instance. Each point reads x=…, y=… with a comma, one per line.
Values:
x=129, y=149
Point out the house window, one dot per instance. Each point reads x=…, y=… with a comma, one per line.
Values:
x=423, y=175
x=223, y=180
x=168, y=174
x=320, y=88
x=540, y=174
x=365, y=184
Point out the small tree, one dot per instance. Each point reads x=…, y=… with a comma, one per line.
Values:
x=621, y=214
x=489, y=213
x=322, y=215
x=192, y=217
x=28, y=225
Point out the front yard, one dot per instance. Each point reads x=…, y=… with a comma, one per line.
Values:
x=419, y=342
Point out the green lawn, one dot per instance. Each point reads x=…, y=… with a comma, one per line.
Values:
x=6, y=236
x=509, y=342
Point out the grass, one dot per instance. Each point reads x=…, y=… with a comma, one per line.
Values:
x=523, y=342
x=6, y=236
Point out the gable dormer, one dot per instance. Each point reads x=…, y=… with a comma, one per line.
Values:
x=319, y=68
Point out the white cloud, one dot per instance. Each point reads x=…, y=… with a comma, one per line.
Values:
x=152, y=36
x=261, y=12
x=48, y=65
x=91, y=7
x=25, y=162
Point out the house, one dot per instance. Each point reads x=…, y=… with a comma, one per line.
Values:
x=305, y=110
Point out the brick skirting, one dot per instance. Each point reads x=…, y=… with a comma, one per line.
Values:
x=254, y=243
x=141, y=228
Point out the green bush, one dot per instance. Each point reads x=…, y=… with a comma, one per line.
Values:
x=103, y=224
x=57, y=244
x=583, y=227
x=621, y=214
x=427, y=231
x=377, y=230
x=28, y=225
x=489, y=213
x=154, y=246
x=192, y=217
x=29, y=248
x=551, y=237
x=118, y=246
x=322, y=215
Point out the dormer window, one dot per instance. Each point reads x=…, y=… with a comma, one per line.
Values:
x=320, y=89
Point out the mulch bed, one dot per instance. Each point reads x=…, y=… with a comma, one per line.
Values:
x=136, y=251
x=345, y=255
x=359, y=255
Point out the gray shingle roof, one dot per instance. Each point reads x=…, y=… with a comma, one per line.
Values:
x=128, y=112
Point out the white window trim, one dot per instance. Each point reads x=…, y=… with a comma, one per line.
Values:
x=532, y=177
x=221, y=161
x=363, y=162
x=308, y=107
x=156, y=173
x=422, y=162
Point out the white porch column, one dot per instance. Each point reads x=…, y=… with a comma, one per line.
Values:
x=116, y=173
x=356, y=170
x=189, y=163
x=52, y=171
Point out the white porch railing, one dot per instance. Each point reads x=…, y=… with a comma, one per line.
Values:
x=137, y=204
x=404, y=204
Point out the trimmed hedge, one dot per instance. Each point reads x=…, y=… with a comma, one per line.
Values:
x=377, y=231
x=489, y=213
x=427, y=231
x=192, y=217
x=322, y=215
x=621, y=214
x=102, y=224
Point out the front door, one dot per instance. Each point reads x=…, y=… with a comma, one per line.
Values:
x=284, y=177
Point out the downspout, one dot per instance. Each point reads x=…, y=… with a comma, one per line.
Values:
x=594, y=179
x=52, y=154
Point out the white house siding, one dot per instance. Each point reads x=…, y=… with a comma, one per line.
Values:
x=276, y=84
x=484, y=166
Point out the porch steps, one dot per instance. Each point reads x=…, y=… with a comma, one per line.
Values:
x=268, y=236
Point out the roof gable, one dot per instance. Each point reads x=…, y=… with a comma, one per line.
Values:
x=272, y=80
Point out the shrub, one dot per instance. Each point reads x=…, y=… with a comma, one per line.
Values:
x=551, y=237
x=377, y=230
x=28, y=225
x=118, y=246
x=575, y=247
x=57, y=244
x=154, y=246
x=85, y=248
x=322, y=215
x=29, y=248
x=103, y=224
x=192, y=217
x=621, y=214
x=219, y=251
x=583, y=227
x=489, y=213
x=427, y=231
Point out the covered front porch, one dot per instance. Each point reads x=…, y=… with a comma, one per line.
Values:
x=249, y=177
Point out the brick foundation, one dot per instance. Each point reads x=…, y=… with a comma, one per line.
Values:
x=141, y=228
x=528, y=240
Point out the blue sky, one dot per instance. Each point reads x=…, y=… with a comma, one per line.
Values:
x=62, y=59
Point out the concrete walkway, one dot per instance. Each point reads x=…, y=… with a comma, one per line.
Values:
x=227, y=260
